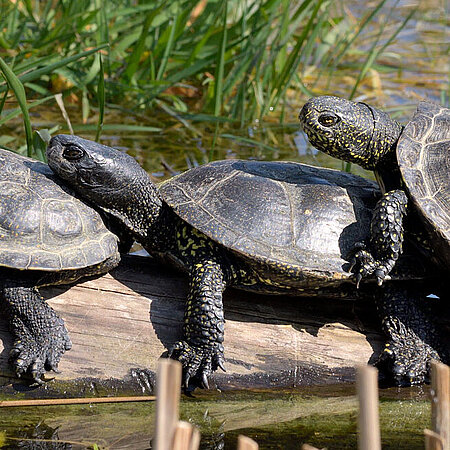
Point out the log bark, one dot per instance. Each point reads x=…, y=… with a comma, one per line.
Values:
x=122, y=322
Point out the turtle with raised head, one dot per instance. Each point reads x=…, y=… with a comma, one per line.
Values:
x=411, y=164
x=47, y=237
x=271, y=227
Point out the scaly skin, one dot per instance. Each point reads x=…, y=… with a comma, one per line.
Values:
x=40, y=336
x=413, y=341
x=201, y=351
x=386, y=238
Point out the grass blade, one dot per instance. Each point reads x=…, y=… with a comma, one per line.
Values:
x=16, y=112
x=248, y=141
x=118, y=127
x=100, y=99
x=135, y=57
x=36, y=74
x=40, y=146
x=376, y=50
x=218, y=87
x=19, y=91
x=2, y=101
x=168, y=48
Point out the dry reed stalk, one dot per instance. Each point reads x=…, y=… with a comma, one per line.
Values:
x=195, y=439
x=440, y=402
x=168, y=388
x=182, y=437
x=433, y=441
x=74, y=401
x=368, y=417
x=245, y=443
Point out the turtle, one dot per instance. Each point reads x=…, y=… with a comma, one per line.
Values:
x=412, y=166
x=47, y=237
x=270, y=227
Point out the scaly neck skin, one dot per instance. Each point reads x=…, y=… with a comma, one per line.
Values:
x=139, y=207
x=383, y=143
x=388, y=173
x=382, y=148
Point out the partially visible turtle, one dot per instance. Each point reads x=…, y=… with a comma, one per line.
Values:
x=412, y=165
x=279, y=228
x=47, y=237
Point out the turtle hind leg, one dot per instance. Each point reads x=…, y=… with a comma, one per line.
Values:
x=201, y=350
x=386, y=238
x=413, y=338
x=40, y=336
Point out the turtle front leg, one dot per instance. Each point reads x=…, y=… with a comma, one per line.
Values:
x=40, y=337
x=201, y=351
x=413, y=338
x=386, y=238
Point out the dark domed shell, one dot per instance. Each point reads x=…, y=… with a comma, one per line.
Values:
x=42, y=227
x=423, y=153
x=278, y=212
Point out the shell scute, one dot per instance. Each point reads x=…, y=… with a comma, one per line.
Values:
x=42, y=226
x=288, y=216
x=423, y=153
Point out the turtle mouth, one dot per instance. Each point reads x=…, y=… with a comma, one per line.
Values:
x=57, y=162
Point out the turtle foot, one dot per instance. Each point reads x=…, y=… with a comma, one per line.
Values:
x=366, y=265
x=38, y=350
x=198, y=362
x=404, y=365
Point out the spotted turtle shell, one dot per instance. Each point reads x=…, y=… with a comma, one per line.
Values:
x=284, y=213
x=423, y=153
x=43, y=226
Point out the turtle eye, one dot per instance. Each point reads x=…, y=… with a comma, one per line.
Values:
x=328, y=120
x=73, y=153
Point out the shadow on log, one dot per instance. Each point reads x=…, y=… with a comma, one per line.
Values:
x=121, y=323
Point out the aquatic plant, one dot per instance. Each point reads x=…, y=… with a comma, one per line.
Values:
x=196, y=60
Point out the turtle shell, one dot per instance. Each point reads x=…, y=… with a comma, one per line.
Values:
x=423, y=153
x=42, y=226
x=278, y=212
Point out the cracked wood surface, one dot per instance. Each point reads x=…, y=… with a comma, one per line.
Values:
x=122, y=322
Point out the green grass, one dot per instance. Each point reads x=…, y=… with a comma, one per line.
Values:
x=223, y=60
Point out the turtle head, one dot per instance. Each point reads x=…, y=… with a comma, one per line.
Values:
x=353, y=132
x=109, y=179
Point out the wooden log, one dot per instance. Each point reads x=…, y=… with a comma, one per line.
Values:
x=440, y=402
x=121, y=323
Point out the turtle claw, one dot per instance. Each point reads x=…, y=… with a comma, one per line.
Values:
x=221, y=365
x=358, y=278
x=187, y=377
x=367, y=265
x=406, y=365
x=198, y=362
x=36, y=351
x=381, y=276
x=205, y=381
